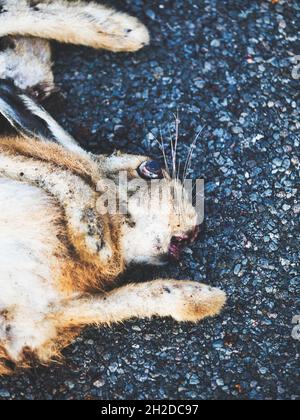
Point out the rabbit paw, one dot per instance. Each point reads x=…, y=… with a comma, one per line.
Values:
x=195, y=301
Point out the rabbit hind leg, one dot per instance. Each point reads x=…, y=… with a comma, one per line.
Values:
x=88, y=24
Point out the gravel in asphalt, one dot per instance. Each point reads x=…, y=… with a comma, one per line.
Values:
x=230, y=69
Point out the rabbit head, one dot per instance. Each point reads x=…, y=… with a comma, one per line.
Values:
x=158, y=218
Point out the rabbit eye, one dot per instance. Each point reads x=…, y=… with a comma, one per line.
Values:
x=151, y=169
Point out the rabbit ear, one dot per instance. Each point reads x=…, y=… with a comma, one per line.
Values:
x=32, y=120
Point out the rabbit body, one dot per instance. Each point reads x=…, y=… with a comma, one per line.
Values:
x=60, y=257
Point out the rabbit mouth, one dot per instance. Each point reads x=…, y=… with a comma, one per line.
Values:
x=178, y=243
x=175, y=251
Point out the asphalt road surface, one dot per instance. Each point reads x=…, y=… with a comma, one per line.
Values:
x=230, y=69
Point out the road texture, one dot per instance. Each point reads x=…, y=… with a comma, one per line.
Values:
x=230, y=69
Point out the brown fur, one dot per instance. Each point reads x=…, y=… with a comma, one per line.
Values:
x=81, y=270
x=88, y=248
x=52, y=153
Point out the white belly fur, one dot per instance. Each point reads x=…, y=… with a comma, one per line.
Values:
x=28, y=268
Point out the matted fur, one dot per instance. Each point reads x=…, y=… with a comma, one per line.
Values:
x=60, y=259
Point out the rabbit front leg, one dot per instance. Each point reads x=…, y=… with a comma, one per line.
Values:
x=181, y=300
x=77, y=22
